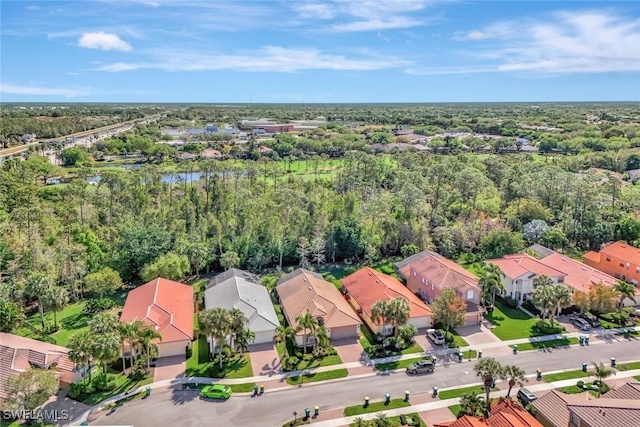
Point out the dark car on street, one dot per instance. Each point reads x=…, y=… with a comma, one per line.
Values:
x=581, y=324
x=421, y=367
x=591, y=319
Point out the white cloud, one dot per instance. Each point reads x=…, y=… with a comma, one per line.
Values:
x=47, y=91
x=435, y=71
x=391, y=23
x=267, y=59
x=315, y=10
x=576, y=42
x=103, y=41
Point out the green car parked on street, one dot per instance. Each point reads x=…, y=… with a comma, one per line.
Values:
x=216, y=391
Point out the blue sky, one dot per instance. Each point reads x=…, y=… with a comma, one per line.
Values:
x=319, y=51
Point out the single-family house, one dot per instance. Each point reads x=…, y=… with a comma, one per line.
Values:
x=243, y=290
x=210, y=153
x=187, y=156
x=503, y=413
x=556, y=409
x=519, y=271
x=302, y=290
x=579, y=276
x=367, y=286
x=166, y=306
x=428, y=273
x=604, y=413
x=17, y=354
x=619, y=260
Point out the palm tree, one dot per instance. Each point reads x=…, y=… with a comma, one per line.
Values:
x=105, y=348
x=515, y=375
x=283, y=333
x=323, y=337
x=379, y=313
x=55, y=299
x=80, y=345
x=129, y=332
x=360, y=422
x=104, y=323
x=601, y=372
x=382, y=420
x=244, y=338
x=398, y=313
x=491, y=282
x=471, y=404
x=562, y=296
x=36, y=286
x=490, y=370
x=308, y=324
x=216, y=324
x=146, y=337
x=543, y=297
x=625, y=290
x=237, y=324
x=542, y=280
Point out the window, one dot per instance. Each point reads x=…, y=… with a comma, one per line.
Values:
x=608, y=259
x=573, y=420
x=560, y=279
x=424, y=280
x=627, y=266
x=469, y=295
x=621, y=264
x=432, y=287
x=638, y=269
x=415, y=274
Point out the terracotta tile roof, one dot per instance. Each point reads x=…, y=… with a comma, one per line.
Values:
x=578, y=275
x=553, y=406
x=367, y=286
x=163, y=304
x=518, y=265
x=592, y=256
x=18, y=354
x=626, y=391
x=623, y=251
x=442, y=272
x=210, y=153
x=608, y=412
x=504, y=413
x=464, y=421
x=303, y=290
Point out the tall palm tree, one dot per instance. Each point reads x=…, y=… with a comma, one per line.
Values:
x=80, y=345
x=146, y=337
x=379, y=312
x=308, y=324
x=625, y=290
x=129, y=333
x=237, y=324
x=244, y=338
x=398, y=313
x=323, y=337
x=105, y=348
x=471, y=404
x=543, y=297
x=490, y=370
x=562, y=297
x=601, y=372
x=515, y=375
x=542, y=280
x=216, y=324
x=104, y=323
x=55, y=299
x=491, y=282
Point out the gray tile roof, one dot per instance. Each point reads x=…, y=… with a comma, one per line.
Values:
x=625, y=391
x=243, y=290
x=553, y=406
x=608, y=412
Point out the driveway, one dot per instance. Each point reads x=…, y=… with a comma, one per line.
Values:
x=264, y=359
x=59, y=403
x=478, y=334
x=168, y=368
x=424, y=342
x=351, y=351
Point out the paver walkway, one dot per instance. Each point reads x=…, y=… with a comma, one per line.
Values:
x=478, y=334
x=265, y=360
x=168, y=368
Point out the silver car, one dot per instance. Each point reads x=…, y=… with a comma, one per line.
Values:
x=435, y=336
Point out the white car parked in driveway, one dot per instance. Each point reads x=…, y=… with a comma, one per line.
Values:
x=435, y=336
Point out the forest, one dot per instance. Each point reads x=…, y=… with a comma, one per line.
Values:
x=260, y=216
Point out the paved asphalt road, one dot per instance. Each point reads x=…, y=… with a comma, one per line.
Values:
x=185, y=408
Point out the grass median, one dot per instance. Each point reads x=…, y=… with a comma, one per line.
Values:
x=457, y=392
x=375, y=407
x=562, y=342
x=319, y=376
x=399, y=364
x=628, y=366
x=567, y=375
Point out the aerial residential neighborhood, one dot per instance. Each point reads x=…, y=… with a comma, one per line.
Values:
x=328, y=213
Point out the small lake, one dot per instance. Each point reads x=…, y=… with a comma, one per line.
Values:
x=167, y=178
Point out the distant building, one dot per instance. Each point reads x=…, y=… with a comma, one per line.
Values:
x=28, y=137
x=619, y=260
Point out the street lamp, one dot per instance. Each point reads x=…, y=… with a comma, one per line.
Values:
x=295, y=417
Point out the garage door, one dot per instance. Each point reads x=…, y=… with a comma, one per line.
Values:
x=264, y=337
x=176, y=348
x=344, y=332
x=420, y=322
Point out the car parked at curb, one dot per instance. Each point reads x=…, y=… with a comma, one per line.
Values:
x=421, y=367
x=435, y=336
x=216, y=391
x=591, y=319
x=525, y=396
x=581, y=324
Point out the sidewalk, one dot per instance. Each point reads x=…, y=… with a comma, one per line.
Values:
x=371, y=363
x=540, y=386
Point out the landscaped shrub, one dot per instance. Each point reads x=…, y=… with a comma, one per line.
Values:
x=104, y=382
x=95, y=306
x=387, y=269
x=528, y=305
x=308, y=357
x=79, y=391
x=292, y=361
x=510, y=302
x=139, y=370
x=189, y=351
x=580, y=384
x=547, y=328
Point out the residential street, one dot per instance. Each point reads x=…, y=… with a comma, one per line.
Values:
x=185, y=408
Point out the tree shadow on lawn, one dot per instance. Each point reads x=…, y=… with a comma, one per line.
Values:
x=228, y=366
x=77, y=321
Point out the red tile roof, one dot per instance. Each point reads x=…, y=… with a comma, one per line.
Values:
x=18, y=354
x=442, y=272
x=623, y=251
x=163, y=304
x=504, y=413
x=578, y=275
x=517, y=265
x=367, y=286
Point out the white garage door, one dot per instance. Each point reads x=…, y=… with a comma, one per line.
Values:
x=264, y=337
x=176, y=348
x=420, y=322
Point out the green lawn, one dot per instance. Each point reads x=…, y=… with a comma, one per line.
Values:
x=412, y=349
x=375, y=407
x=549, y=378
x=302, y=364
x=122, y=384
x=319, y=376
x=198, y=364
x=455, y=409
x=398, y=364
x=368, y=340
x=397, y=422
x=242, y=388
x=637, y=378
x=458, y=341
x=551, y=343
x=457, y=392
x=628, y=366
x=511, y=323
